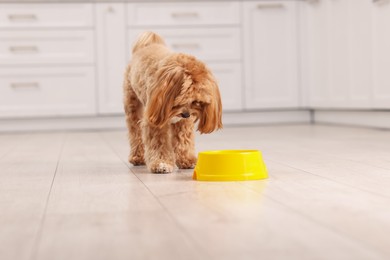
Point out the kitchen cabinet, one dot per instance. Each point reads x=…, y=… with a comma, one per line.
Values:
x=267, y=55
x=184, y=14
x=111, y=44
x=381, y=54
x=46, y=15
x=271, y=54
x=47, y=59
x=35, y=46
x=46, y=91
x=337, y=53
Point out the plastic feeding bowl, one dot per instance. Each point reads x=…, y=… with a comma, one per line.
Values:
x=230, y=165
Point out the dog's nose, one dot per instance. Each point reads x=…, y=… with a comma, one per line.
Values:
x=185, y=115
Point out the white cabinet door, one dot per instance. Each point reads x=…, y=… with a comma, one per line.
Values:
x=32, y=47
x=314, y=54
x=47, y=91
x=271, y=54
x=183, y=13
x=111, y=55
x=228, y=75
x=359, y=26
x=337, y=53
x=46, y=15
x=381, y=53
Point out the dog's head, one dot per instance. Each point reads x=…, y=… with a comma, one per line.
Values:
x=185, y=90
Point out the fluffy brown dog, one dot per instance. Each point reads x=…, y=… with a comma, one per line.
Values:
x=165, y=94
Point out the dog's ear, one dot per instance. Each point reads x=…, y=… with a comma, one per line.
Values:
x=166, y=88
x=211, y=117
x=146, y=39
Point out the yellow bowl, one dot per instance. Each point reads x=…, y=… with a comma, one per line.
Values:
x=230, y=165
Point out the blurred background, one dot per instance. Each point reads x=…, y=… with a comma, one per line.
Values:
x=312, y=61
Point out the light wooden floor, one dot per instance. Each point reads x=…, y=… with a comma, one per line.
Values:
x=74, y=196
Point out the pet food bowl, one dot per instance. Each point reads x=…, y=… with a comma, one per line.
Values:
x=230, y=165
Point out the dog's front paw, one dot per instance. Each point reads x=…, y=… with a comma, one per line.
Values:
x=186, y=163
x=161, y=167
x=136, y=160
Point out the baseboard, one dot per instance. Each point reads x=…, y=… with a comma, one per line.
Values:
x=365, y=118
x=61, y=124
x=118, y=121
x=267, y=117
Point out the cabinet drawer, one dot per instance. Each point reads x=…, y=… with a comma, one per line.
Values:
x=45, y=15
x=212, y=44
x=42, y=47
x=46, y=91
x=193, y=13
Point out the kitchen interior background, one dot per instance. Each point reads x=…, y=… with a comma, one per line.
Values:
x=321, y=61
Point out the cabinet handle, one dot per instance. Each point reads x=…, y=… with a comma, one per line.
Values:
x=186, y=45
x=185, y=14
x=270, y=6
x=380, y=1
x=110, y=9
x=23, y=17
x=30, y=85
x=23, y=49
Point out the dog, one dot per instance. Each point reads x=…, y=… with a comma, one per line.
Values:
x=167, y=95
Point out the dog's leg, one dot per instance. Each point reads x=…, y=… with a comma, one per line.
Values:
x=158, y=148
x=184, y=144
x=133, y=110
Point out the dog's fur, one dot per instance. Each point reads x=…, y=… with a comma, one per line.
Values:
x=165, y=94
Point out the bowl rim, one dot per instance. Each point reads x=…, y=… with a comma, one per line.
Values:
x=229, y=152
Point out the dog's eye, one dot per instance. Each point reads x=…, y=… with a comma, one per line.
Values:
x=196, y=103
